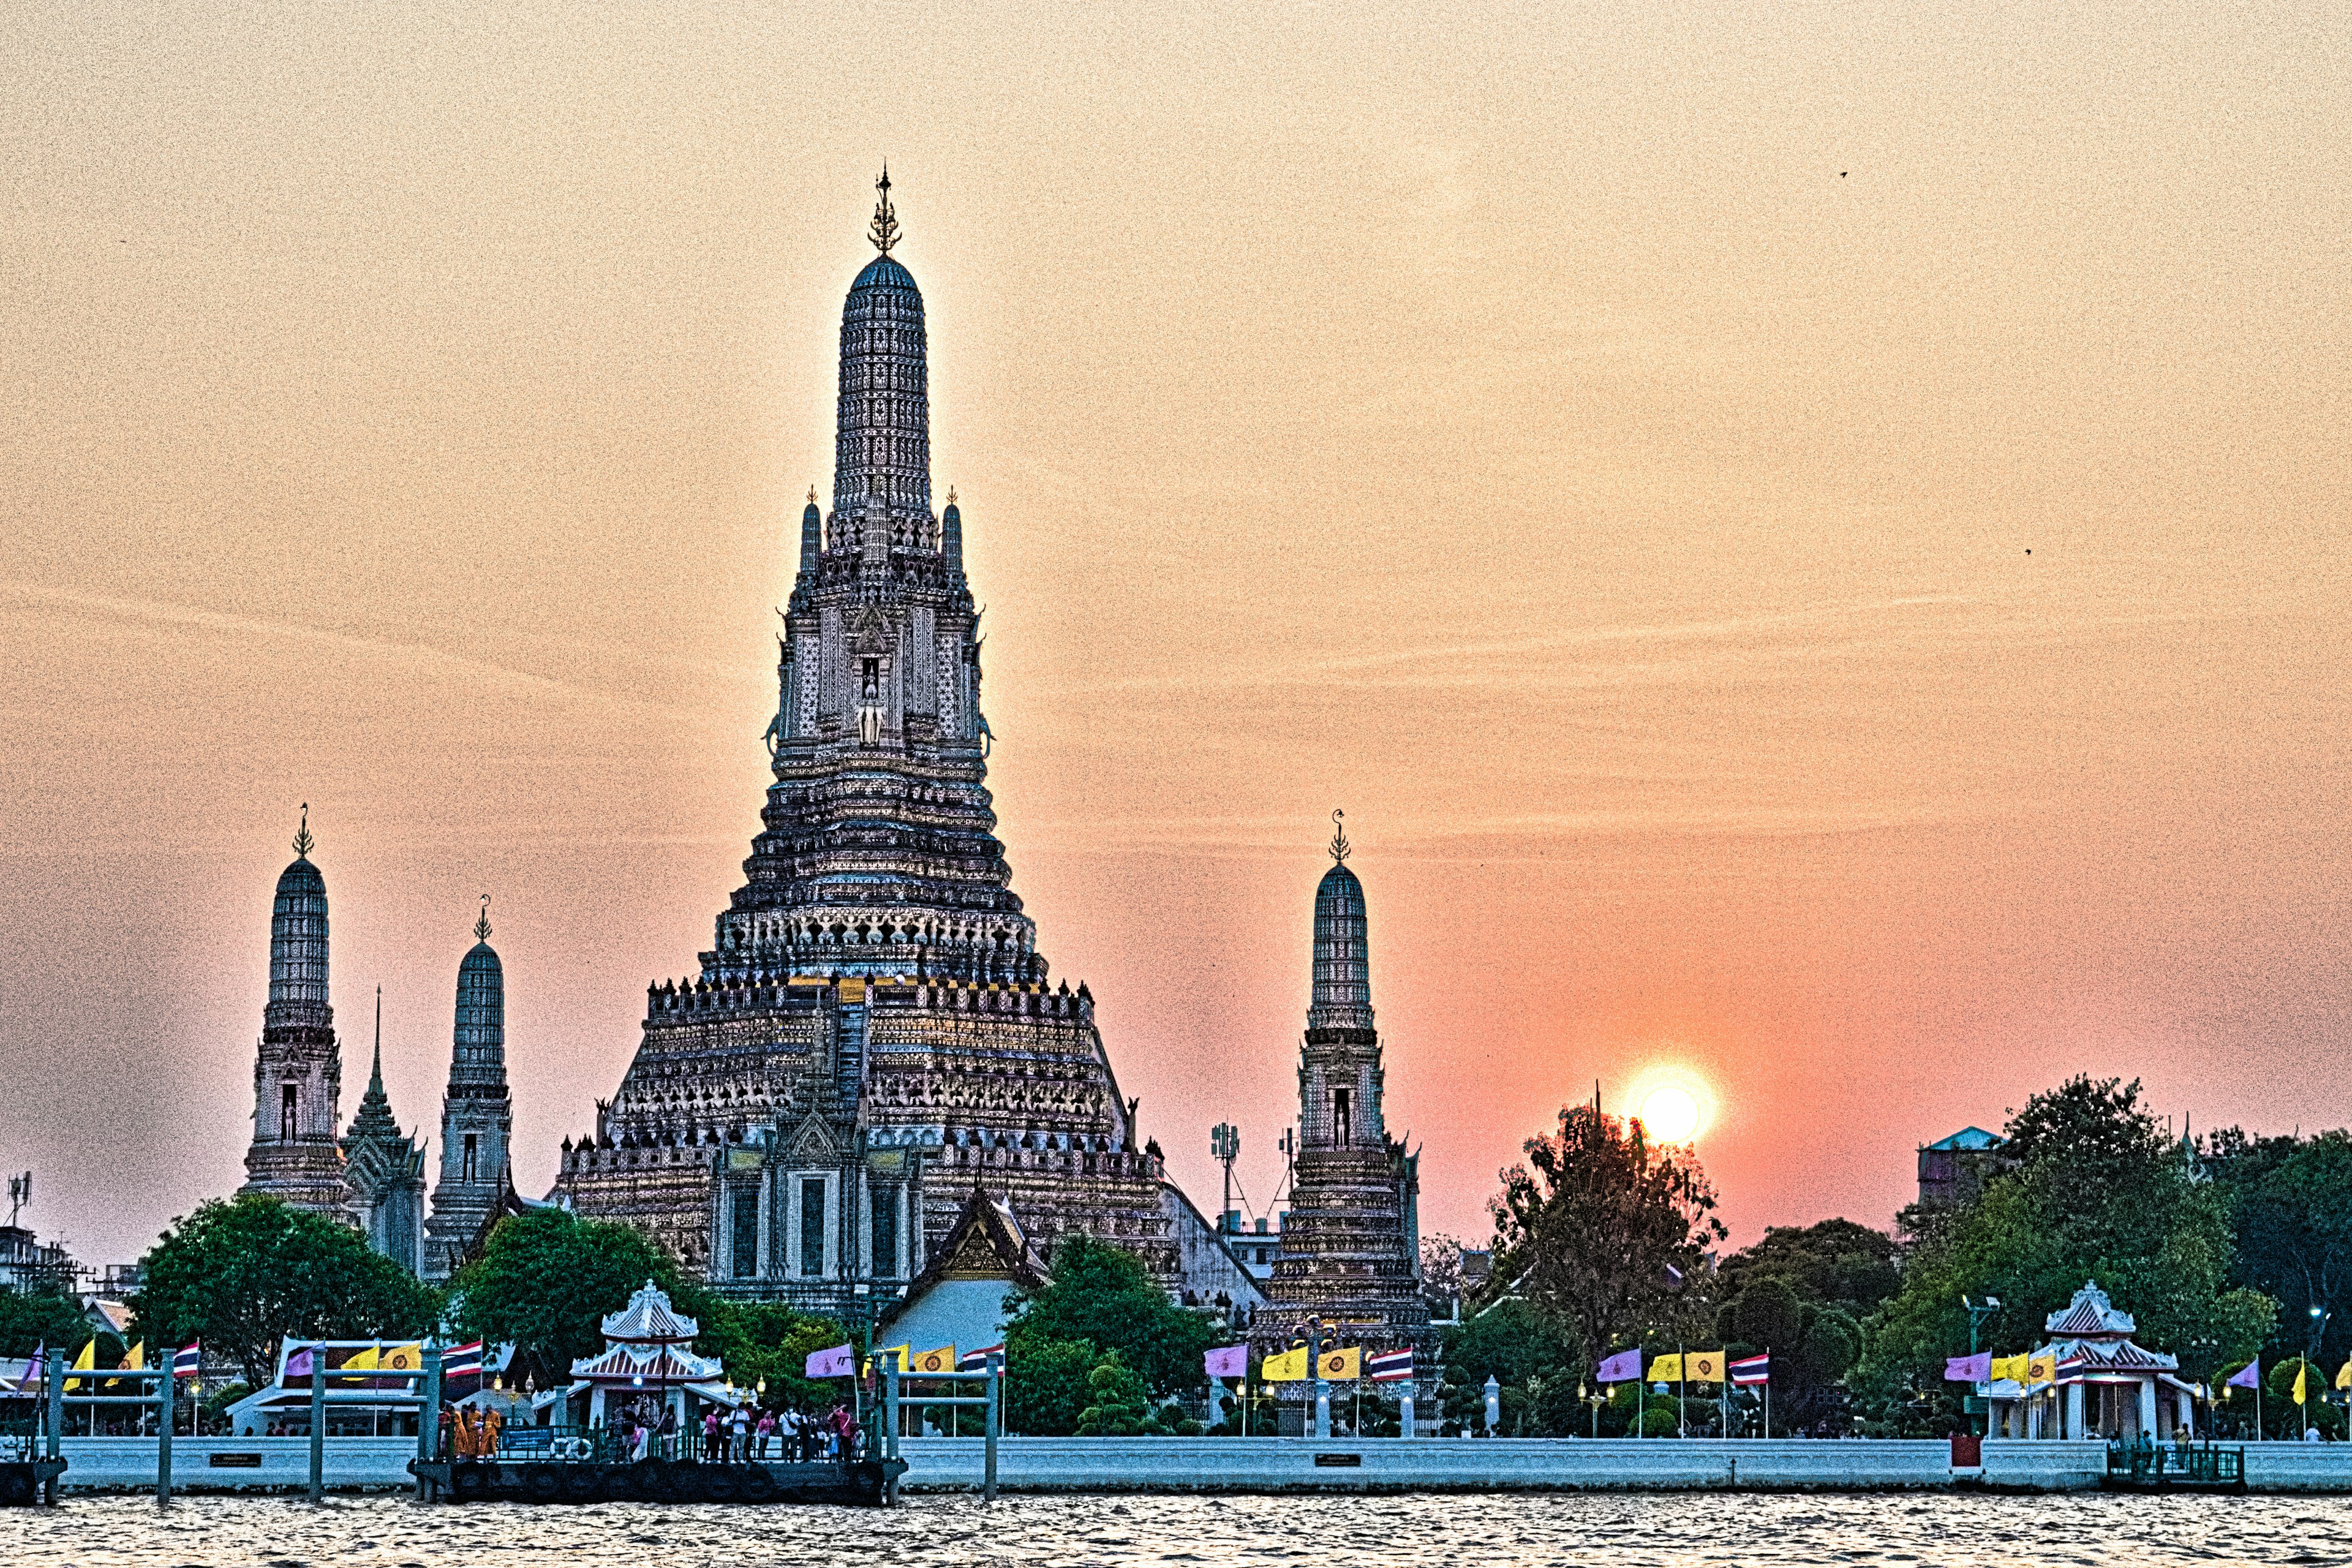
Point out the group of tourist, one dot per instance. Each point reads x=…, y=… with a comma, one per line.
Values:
x=647, y=1430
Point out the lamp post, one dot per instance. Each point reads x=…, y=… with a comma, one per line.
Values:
x=1977, y=1312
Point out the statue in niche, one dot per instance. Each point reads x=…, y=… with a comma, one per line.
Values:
x=869, y=704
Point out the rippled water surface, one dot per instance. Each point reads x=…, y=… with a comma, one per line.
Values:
x=1031, y=1533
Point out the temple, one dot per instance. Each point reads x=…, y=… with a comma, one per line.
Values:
x=383, y=1170
x=477, y=1120
x=373, y=1177
x=1350, y=1247
x=873, y=1035
x=298, y=1069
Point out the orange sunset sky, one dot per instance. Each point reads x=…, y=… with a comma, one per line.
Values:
x=1810, y=541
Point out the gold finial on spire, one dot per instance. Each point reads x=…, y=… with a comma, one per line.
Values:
x=812, y=495
x=952, y=495
x=482, y=926
x=302, y=839
x=1340, y=844
x=885, y=230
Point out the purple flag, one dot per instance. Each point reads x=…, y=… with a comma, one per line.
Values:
x=1969, y=1368
x=2249, y=1376
x=841, y=1360
x=1625, y=1366
x=1228, y=1361
x=299, y=1364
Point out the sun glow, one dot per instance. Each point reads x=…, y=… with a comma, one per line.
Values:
x=1673, y=1106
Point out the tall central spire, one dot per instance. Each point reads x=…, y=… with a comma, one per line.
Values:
x=882, y=447
x=885, y=231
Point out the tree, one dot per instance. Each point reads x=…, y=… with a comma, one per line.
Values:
x=1119, y=1406
x=37, y=1320
x=767, y=1342
x=244, y=1273
x=1103, y=1295
x=546, y=1279
x=1800, y=1294
x=2291, y=1201
x=1603, y=1229
x=2096, y=1192
x=1045, y=1383
x=1525, y=1351
x=1441, y=1274
x=1835, y=1262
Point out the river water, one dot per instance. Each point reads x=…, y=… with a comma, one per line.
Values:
x=1052, y=1531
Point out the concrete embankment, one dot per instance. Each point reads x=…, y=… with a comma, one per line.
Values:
x=1285, y=1464
x=1299, y=1464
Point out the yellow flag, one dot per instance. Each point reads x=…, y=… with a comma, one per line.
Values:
x=1289, y=1366
x=134, y=1359
x=2344, y=1375
x=941, y=1360
x=2011, y=1368
x=402, y=1358
x=2043, y=1369
x=367, y=1359
x=2300, y=1367
x=1705, y=1366
x=1666, y=1369
x=1342, y=1367
x=85, y=1362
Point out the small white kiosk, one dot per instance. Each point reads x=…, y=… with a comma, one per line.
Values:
x=2103, y=1385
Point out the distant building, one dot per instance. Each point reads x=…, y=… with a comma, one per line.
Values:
x=1952, y=1168
x=28, y=1265
x=1256, y=1248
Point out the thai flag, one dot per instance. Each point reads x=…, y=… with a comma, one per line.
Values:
x=977, y=1361
x=1389, y=1366
x=462, y=1360
x=1754, y=1371
x=188, y=1363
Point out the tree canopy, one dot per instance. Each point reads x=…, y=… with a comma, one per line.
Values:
x=546, y=1279
x=2291, y=1199
x=243, y=1273
x=767, y=1342
x=1802, y=1294
x=1103, y=1295
x=38, y=1320
x=1603, y=1229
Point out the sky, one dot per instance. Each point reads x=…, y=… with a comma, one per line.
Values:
x=1808, y=541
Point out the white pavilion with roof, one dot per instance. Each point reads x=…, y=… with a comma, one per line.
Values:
x=647, y=1352
x=2104, y=1387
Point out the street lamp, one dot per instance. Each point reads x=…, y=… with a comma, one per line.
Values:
x=1978, y=1311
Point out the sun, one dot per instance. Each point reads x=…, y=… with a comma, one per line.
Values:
x=1670, y=1113
x=1673, y=1104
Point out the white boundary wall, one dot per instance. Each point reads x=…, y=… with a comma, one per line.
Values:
x=1288, y=1465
